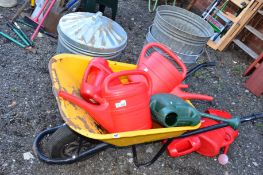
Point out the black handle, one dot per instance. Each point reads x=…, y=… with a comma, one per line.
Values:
x=190, y=133
x=199, y=66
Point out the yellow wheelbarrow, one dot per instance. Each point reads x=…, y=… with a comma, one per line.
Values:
x=66, y=71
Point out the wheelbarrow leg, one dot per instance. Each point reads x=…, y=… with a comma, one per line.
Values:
x=156, y=157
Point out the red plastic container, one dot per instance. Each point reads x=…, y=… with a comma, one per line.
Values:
x=97, y=70
x=123, y=106
x=129, y=103
x=165, y=76
x=208, y=143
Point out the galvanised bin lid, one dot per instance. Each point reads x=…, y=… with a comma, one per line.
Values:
x=92, y=32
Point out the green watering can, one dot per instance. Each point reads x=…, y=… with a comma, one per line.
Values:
x=170, y=110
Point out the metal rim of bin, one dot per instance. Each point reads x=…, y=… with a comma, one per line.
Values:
x=168, y=27
x=177, y=44
x=190, y=58
x=174, y=11
x=188, y=38
x=157, y=29
x=62, y=43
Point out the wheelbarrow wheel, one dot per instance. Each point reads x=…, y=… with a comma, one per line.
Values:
x=65, y=143
x=60, y=141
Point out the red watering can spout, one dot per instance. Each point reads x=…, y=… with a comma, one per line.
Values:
x=189, y=96
x=97, y=112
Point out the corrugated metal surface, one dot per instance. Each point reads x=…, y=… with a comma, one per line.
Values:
x=90, y=34
x=182, y=31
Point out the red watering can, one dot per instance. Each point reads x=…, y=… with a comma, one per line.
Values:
x=97, y=70
x=165, y=76
x=189, y=96
x=123, y=106
x=208, y=143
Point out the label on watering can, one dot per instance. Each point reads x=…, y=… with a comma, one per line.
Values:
x=122, y=103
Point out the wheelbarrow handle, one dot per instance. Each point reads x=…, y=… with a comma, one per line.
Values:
x=187, y=134
x=251, y=117
x=199, y=66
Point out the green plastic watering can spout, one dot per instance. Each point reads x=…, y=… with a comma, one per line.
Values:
x=233, y=122
x=168, y=116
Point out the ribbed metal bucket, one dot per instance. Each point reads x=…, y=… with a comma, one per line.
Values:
x=186, y=58
x=183, y=31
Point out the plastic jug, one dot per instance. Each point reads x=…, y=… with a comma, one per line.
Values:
x=165, y=76
x=123, y=106
x=208, y=143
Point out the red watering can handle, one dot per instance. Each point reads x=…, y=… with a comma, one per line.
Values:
x=85, y=77
x=115, y=75
x=167, y=51
x=185, y=146
x=98, y=66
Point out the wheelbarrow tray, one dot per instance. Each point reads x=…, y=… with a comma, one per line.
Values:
x=66, y=71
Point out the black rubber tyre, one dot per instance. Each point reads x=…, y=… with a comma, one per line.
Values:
x=60, y=141
x=65, y=143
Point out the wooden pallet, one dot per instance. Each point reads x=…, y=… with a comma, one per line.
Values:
x=239, y=23
x=240, y=3
x=245, y=48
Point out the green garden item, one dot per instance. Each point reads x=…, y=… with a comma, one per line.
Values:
x=170, y=111
x=90, y=6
